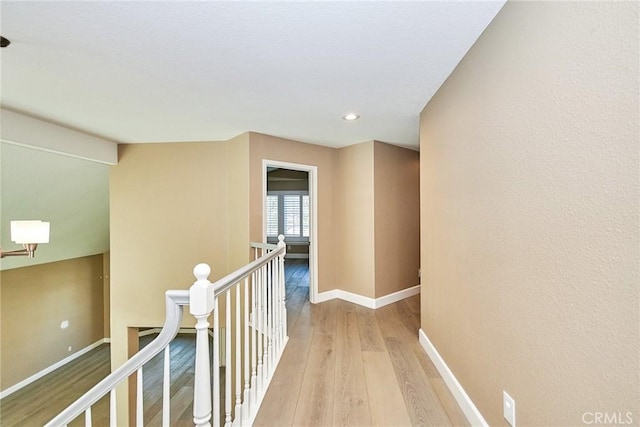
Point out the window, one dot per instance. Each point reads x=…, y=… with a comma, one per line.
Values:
x=292, y=216
x=272, y=215
x=305, y=215
x=288, y=214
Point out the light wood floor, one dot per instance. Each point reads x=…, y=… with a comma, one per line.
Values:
x=296, y=274
x=40, y=401
x=349, y=365
x=343, y=365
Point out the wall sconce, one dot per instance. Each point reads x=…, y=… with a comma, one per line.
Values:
x=28, y=234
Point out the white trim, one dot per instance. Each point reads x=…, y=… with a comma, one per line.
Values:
x=313, y=232
x=336, y=294
x=470, y=411
x=367, y=301
x=397, y=296
x=50, y=369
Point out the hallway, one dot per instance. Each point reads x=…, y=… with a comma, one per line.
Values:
x=349, y=365
x=343, y=365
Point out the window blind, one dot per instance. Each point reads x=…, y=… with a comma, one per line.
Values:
x=272, y=215
x=291, y=215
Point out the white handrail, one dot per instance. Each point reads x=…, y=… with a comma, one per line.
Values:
x=268, y=246
x=175, y=300
x=229, y=280
x=202, y=298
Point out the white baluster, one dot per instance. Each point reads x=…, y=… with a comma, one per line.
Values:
x=201, y=303
x=216, y=365
x=276, y=306
x=283, y=289
x=272, y=313
x=139, y=395
x=260, y=326
x=265, y=326
x=246, y=357
x=254, y=340
x=238, y=364
x=87, y=417
x=283, y=301
x=271, y=317
x=166, y=388
x=113, y=413
x=227, y=368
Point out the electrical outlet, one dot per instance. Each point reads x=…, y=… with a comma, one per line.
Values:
x=69, y=349
x=64, y=324
x=509, y=408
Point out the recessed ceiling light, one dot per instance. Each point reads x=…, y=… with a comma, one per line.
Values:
x=350, y=117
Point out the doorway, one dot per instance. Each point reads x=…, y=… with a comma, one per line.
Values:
x=290, y=208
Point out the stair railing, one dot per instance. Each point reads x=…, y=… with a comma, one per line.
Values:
x=255, y=334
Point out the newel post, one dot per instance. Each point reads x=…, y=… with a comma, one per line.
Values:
x=201, y=303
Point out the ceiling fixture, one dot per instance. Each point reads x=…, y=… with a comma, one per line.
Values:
x=28, y=234
x=350, y=117
x=4, y=42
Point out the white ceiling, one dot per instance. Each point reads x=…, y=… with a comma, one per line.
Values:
x=160, y=71
x=170, y=71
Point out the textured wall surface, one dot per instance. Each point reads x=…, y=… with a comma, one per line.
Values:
x=529, y=214
x=355, y=212
x=397, y=218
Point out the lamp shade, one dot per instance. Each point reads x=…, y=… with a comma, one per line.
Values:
x=24, y=232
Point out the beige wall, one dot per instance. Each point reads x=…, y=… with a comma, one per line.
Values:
x=377, y=219
x=35, y=301
x=273, y=148
x=354, y=238
x=347, y=234
x=237, y=210
x=168, y=213
x=529, y=214
x=397, y=218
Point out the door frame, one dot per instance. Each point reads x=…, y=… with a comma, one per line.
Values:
x=313, y=221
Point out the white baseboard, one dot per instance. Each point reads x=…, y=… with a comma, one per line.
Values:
x=468, y=408
x=45, y=371
x=367, y=301
x=397, y=296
